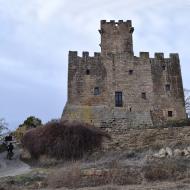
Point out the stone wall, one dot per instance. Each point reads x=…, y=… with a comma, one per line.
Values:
x=167, y=72
x=151, y=87
x=116, y=37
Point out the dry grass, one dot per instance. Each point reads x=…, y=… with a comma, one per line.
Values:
x=66, y=177
x=63, y=140
x=165, y=170
x=74, y=176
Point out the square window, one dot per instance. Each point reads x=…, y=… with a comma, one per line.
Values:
x=118, y=99
x=167, y=87
x=163, y=67
x=87, y=72
x=143, y=95
x=96, y=91
x=130, y=72
x=170, y=114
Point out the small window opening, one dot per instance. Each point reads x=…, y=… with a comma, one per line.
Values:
x=87, y=72
x=170, y=114
x=163, y=67
x=130, y=109
x=167, y=87
x=143, y=95
x=118, y=99
x=130, y=72
x=96, y=91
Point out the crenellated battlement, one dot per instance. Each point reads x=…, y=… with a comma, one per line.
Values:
x=174, y=56
x=85, y=54
x=113, y=22
x=159, y=56
x=97, y=54
x=144, y=55
x=120, y=32
x=73, y=53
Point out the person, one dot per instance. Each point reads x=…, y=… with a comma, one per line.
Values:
x=10, y=153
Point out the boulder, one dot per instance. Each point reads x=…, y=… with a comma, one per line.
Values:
x=188, y=149
x=177, y=152
x=169, y=152
x=161, y=153
x=184, y=152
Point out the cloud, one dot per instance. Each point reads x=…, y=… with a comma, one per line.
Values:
x=48, y=9
x=37, y=35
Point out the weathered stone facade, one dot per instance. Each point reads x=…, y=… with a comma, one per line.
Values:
x=116, y=89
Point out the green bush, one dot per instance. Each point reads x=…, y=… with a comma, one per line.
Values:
x=30, y=123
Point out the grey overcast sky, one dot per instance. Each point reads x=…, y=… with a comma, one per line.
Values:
x=36, y=35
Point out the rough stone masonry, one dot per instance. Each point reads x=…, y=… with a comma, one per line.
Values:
x=119, y=90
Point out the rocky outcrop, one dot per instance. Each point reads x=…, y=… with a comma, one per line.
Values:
x=168, y=152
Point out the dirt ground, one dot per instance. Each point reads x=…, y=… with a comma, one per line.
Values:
x=128, y=166
x=12, y=167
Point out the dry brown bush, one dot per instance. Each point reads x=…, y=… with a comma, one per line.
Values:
x=156, y=173
x=63, y=140
x=165, y=170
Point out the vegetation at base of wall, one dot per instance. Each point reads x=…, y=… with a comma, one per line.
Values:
x=178, y=123
x=63, y=140
x=30, y=123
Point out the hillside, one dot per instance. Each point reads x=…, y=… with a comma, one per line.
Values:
x=154, y=159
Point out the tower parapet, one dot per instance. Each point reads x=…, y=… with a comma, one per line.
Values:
x=73, y=54
x=144, y=55
x=159, y=56
x=116, y=36
x=174, y=56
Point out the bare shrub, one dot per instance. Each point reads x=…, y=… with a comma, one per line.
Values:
x=117, y=174
x=165, y=170
x=66, y=177
x=156, y=173
x=115, y=177
x=63, y=140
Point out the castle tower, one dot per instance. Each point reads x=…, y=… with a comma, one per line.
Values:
x=118, y=90
x=116, y=37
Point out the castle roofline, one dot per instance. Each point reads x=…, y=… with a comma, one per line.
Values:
x=144, y=55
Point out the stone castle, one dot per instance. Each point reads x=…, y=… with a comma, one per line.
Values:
x=116, y=89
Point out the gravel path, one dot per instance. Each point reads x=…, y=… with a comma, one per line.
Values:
x=12, y=167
